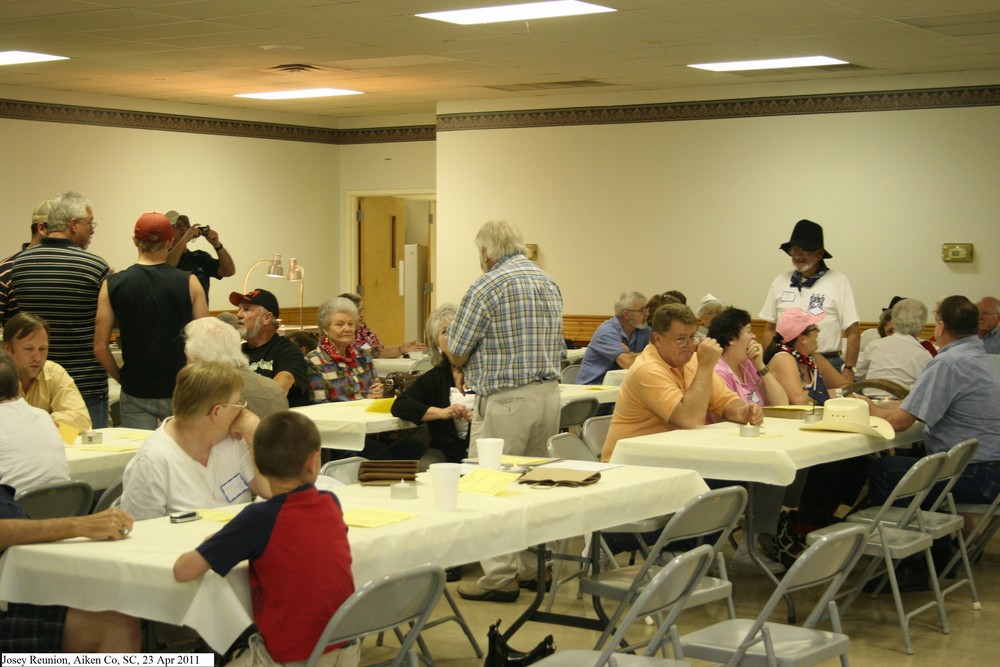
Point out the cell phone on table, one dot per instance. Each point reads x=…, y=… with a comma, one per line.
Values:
x=184, y=517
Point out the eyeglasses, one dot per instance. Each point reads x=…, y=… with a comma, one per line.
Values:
x=89, y=221
x=685, y=341
x=637, y=310
x=242, y=405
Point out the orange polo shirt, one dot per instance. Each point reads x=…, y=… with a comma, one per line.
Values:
x=651, y=392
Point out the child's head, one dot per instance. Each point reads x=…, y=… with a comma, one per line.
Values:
x=283, y=445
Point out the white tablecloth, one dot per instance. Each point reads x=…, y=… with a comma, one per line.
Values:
x=135, y=576
x=344, y=424
x=614, y=378
x=601, y=393
x=719, y=452
x=101, y=469
x=576, y=354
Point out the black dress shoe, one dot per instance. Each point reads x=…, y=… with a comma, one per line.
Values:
x=453, y=573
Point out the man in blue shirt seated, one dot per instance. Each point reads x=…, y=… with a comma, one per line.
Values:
x=618, y=342
x=989, y=323
x=956, y=397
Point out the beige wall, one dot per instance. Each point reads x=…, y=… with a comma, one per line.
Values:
x=702, y=205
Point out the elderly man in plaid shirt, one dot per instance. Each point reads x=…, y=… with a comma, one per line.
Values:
x=507, y=337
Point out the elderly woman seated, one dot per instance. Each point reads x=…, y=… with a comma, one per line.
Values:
x=199, y=457
x=339, y=371
x=438, y=396
x=899, y=357
x=366, y=339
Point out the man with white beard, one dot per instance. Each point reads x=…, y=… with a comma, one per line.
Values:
x=270, y=355
x=619, y=340
x=815, y=288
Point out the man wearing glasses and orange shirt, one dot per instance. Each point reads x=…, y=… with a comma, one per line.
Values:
x=673, y=385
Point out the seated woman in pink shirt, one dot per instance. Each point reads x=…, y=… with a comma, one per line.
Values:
x=742, y=369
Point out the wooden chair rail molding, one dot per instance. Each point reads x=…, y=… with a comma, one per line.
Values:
x=580, y=328
x=289, y=315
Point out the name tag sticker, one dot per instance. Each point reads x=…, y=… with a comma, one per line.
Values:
x=234, y=487
x=787, y=296
x=816, y=311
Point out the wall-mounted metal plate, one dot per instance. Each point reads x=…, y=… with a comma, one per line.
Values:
x=956, y=252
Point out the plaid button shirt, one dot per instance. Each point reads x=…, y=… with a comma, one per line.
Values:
x=510, y=325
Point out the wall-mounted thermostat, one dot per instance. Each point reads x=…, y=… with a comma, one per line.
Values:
x=956, y=252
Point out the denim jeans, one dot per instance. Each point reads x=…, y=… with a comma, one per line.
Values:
x=98, y=409
x=144, y=413
x=979, y=484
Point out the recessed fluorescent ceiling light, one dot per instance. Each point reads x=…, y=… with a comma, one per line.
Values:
x=533, y=10
x=22, y=57
x=299, y=94
x=776, y=63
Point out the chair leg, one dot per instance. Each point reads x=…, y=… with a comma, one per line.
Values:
x=904, y=621
x=938, y=595
x=456, y=615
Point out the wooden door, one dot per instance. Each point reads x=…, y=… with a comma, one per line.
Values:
x=381, y=234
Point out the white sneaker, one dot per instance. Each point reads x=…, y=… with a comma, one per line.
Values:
x=741, y=562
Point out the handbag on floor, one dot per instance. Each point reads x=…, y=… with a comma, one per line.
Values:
x=499, y=654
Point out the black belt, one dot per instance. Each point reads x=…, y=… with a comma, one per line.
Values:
x=830, y=355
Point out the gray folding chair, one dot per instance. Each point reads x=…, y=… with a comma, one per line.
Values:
x=575, y=411
x=751, y=642
x=711, y=514
x=668, y=590
x=983, y=530
x=343, y=470
x=570, y=447
x=569, y=373
x=387, y=603
x=595, y=432
x=942, y=518
x=57, y=499
x=888, y=543
x=112, y=497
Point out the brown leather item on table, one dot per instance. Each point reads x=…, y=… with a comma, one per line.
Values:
x=386, y=473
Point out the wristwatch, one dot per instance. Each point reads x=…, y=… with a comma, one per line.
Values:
x=848, y=367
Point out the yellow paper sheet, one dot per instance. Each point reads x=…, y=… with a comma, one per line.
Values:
x=371, y=517
x=598, y=387
x=486, y=482
x=381, y=405
x=134, y=435
x=219, y=514
x=109, y=448
x=68, y=433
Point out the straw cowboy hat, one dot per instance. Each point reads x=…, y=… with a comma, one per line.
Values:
x=851, y=416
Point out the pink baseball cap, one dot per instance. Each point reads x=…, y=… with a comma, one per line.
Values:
x=794, y=321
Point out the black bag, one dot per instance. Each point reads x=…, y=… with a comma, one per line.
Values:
x=499, y=654
x=397, y=382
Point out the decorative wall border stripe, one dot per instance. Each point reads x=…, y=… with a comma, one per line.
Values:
x=892, y=100
x=142, y=120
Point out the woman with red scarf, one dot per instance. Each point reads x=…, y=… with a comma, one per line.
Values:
x=805, y=376
x=339, y=371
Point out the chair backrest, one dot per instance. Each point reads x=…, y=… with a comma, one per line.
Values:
x=570, y=447
x=383, y=604
x=915, y=484
x=343, y=470
x=110, y=498
x=595, y=432
x=576, y=411
x=669, y=589
x=57, y=499
x=569, y=374
x=421, y=365
x=955, y=462
x=827, y=561
x=713, y=512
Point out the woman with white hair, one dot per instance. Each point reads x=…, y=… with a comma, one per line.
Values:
x=339, y=371
x=438, y=396
x=211, y=339
x=899, y=357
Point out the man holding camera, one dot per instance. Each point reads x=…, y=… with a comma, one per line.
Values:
x=198, y=262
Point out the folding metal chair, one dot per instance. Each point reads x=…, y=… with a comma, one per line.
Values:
x=887, y=543
x=111, y=497
x=387, y=603
x=343, y=470
x=56, y=499
x=570, y=447
x=575, y=411
x=983, y=530
x=569, y=374
x=750, y=642
x=942, y=518
x=595, y=432
x=711, y=514
x=668, y=590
